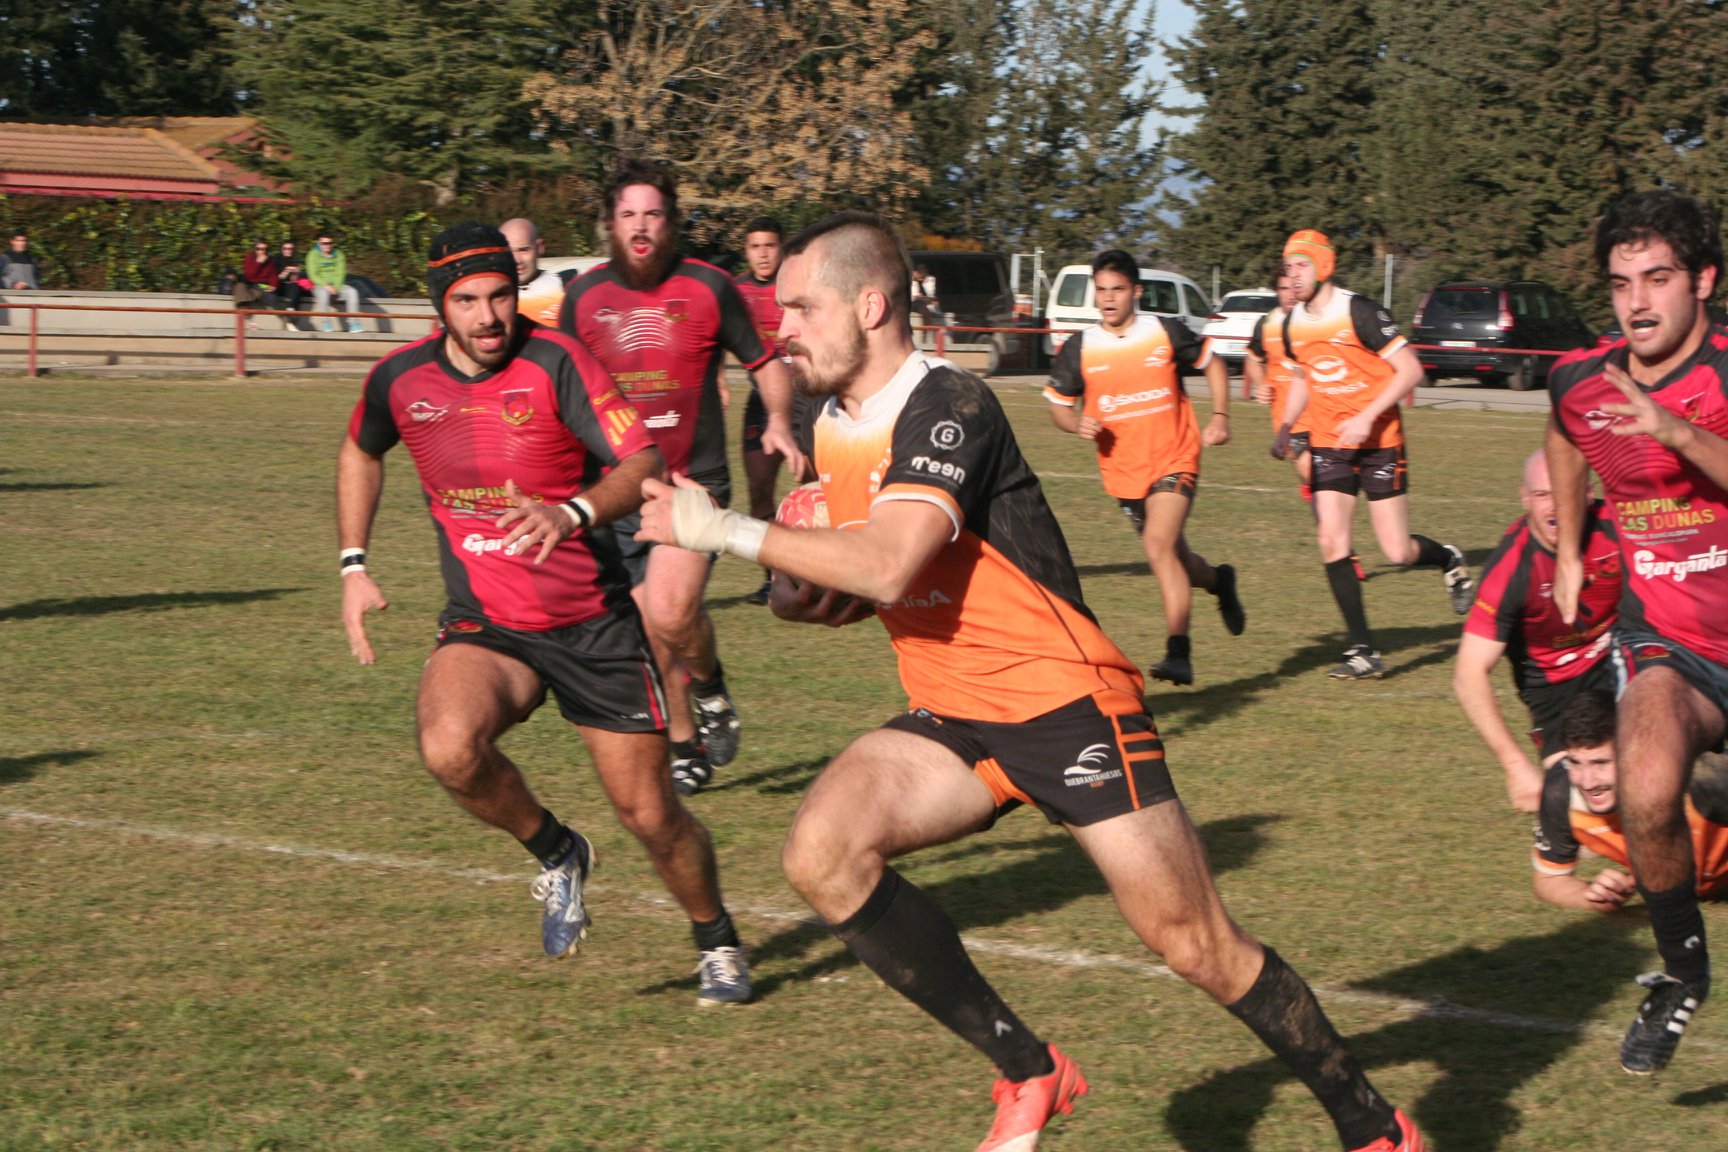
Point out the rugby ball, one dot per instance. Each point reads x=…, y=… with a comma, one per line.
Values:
x=804, y=507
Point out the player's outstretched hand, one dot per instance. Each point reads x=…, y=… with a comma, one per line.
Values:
x=1610, y=889
x=1281, y=443
x=1643, y=416
x=1524, y=786
x=684, y=515
x=1217, y=431
x=537, y=525
x=778, y=438
x=804, y=603
x=360, y=595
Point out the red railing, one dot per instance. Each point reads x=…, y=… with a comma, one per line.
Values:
x=242, y=316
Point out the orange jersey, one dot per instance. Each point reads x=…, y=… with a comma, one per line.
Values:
x=541, y=298
x=1266, y=346
x=1343, y=352
x=1565, y=825
x=1131, y=382
x=994, y=628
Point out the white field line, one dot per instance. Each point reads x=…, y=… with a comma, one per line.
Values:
x=1049, y=957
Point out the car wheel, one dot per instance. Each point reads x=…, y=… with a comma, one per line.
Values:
x=1523, y=379
x=993, y=363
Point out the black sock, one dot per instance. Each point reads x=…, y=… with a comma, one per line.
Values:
x=1347, y=590
x=686, y=749
x=713, y=686
x=1177, y=647
x=551, y=841
x=1430, y=553
x=712, y=934
x=1679, y=926
x=905, y=938
x=1282, y=1011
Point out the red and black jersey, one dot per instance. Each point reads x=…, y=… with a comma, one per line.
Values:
x=1564, y=824
x=552, y=421
x=994, y=627
x=764, y=309
x=1672, y=520
x=665, y=346
x=1515, y=603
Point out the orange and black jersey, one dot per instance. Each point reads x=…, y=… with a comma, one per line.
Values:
x=994, y=628
x=1515, y=603
x=1131, y=383
x=1343, y=351
x=1266, y=346
x=1564, y=825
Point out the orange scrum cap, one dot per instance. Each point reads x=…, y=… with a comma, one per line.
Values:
x=1314, y=247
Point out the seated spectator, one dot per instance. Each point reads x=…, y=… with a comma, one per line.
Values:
x=291, y=282
x=257, y=281
x=1581, y=810
x=18, y=265
x=327, y=267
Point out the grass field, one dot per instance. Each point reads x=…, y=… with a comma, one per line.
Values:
x=235, y=913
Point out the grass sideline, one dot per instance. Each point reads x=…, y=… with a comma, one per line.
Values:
x=235, y=914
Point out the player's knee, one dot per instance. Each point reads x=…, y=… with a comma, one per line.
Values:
x=457, y=758
x=813, y=856
x=658, y=824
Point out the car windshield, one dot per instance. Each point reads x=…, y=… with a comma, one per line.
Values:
x=1247, y=302
x=1463, y=302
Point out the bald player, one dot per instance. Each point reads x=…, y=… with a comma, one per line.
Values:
x=542, y=293
x=1017, y=696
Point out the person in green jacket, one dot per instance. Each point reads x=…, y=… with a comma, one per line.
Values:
x=327, y=268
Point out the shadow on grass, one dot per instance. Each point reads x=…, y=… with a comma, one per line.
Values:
x=142, y=602
x=48, y=487
x=1133, y=568
x=17, y=769
x=1180, y=711
x=1049, y=871
x=1497, y=1018
x=1701, y=1097
x=786, y=778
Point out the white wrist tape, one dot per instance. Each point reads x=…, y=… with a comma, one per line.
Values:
x=701, y=526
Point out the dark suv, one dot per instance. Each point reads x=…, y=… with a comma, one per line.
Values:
x=1480, y=329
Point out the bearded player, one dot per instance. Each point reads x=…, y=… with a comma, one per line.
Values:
x=524, y=447
x=662, y=324
x=1649, y=414
x=944, y=528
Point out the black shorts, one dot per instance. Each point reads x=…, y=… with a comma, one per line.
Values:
x=1185, y=483
x=1643, y=650
x=1549, y=702
x=1377, y=473
x=600, y=670
x=1298, y=445
x=755, y=419
x=1076, y=764
x=634, y=552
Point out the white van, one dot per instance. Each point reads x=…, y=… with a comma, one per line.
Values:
x=1164, y=293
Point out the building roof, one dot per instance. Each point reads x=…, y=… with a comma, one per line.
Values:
x=174, y=156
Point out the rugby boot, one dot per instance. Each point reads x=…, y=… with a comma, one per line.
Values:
x=724, y=976
x=564, y=923
x=1409, y=1139
x=717, y=724
x=1360, y=663
x=1024, y=1107
x=1173, y=669
x=690, y=774
x=1229, y=604
x=1655, y=1035
x=1459, y=586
